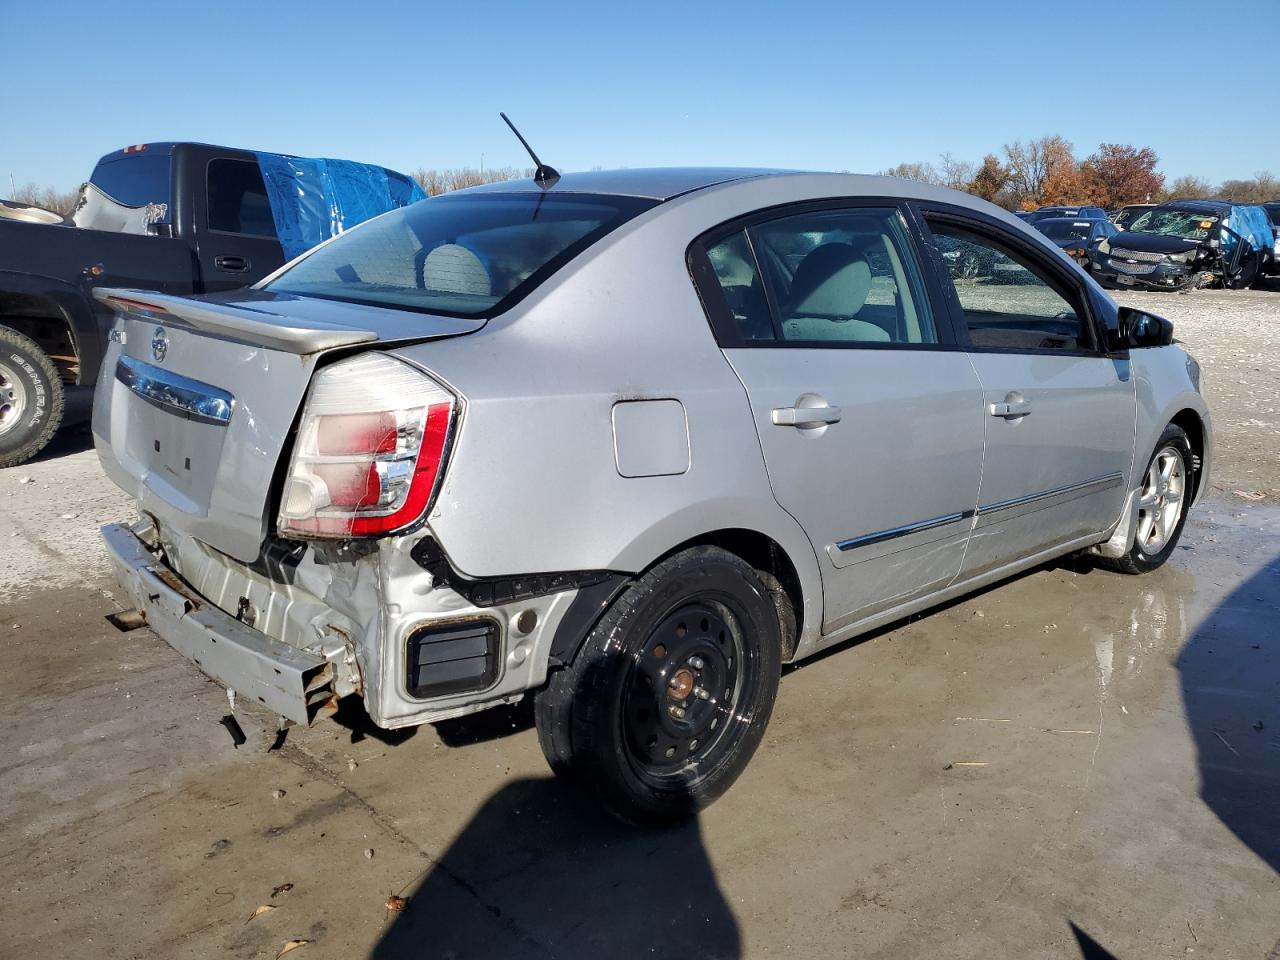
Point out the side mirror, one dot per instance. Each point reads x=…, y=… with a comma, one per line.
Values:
x=1138, y=329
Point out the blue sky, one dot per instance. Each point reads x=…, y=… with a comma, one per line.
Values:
x=846, y=86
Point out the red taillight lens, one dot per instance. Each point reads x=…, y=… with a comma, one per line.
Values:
x=356, y=433
x=369, y=452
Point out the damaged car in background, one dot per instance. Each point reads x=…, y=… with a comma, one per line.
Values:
x=1189, y=243
x=628, y=441
x=1077, y=237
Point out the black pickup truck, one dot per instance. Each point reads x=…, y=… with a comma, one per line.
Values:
x=179, y=218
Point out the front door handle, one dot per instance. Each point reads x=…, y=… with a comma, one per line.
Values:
x=1013, y=407
x=231, y=264
x=805, y=416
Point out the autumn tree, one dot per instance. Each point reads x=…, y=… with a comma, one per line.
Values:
x=990, y=180
x=1189, y=188
x=1125, y=174
x=1258, y=190
x=435, y=182
x=1033, y=163
x=953, y=173
x=1068, y=183
x=921, y=172
x=60, y=201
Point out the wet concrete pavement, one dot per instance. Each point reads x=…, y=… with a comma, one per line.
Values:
x=1072, y=757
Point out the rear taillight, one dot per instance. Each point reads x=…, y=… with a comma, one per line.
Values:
x=369, y=451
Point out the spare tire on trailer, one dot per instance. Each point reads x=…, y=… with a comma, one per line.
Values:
x=31, y=398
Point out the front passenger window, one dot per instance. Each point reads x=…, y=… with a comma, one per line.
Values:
x=1007, y=303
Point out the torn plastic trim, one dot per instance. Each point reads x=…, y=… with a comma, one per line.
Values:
x=492, y=591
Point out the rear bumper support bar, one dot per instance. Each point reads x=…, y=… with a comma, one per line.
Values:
x=286, y=680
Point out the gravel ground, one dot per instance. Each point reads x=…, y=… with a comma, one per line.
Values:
x=1235, y=335
x=1070, y=757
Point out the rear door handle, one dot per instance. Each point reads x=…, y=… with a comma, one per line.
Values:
x=805, y=416
x=231, y=264
x=1014, y=406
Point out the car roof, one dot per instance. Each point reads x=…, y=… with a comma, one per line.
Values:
x=1043, y=220
x=653, y=183
x=1194, y=206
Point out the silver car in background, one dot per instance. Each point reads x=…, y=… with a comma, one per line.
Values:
x=632, y=441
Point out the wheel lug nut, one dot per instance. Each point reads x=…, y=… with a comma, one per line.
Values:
x=701, y=694
x=677, y=712
x=695, y=662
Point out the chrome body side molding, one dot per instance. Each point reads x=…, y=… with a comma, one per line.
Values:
x=1020, y=506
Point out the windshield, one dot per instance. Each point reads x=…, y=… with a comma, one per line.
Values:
x=1128, y=215
x=1176, y=223
x=1065, y=230
x=464, y=255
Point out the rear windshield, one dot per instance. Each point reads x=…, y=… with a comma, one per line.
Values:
x=463, y=255
x=1064, y=230
x=135, y=180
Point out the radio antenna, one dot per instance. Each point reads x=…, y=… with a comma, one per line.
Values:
x=542, y=174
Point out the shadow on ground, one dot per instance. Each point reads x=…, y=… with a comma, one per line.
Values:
x=538, y=872
x=1230, y=676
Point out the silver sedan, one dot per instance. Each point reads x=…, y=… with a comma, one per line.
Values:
x=629, y=441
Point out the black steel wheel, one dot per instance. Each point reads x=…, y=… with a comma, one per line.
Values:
x=669, y=697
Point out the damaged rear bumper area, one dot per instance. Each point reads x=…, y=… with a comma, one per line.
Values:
x=390, y=624
x=288, y=681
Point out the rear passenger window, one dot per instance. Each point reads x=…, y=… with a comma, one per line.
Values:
x=237, y=198
x=735, y=270
x=845, y=276
x=842, y=277
x=1008, y=303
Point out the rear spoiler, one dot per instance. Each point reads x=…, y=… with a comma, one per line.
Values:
x=242, y=324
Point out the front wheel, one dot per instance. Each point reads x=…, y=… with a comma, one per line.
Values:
x=1162, y=505
x=669, y=696
x=31, y=398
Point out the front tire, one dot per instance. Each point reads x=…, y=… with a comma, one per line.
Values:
x=1163, y=500
x=31, y=398
x=668, y=698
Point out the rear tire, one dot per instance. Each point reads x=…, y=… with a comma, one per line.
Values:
x=1167, y=485
x=668, y=698
x=31, y=398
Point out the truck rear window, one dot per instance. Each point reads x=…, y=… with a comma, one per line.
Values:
x=136, y=180
x=465, y=255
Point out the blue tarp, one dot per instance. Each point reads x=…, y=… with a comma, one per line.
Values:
x=313, y=199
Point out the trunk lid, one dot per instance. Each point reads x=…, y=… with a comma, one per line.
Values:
x=198, y=396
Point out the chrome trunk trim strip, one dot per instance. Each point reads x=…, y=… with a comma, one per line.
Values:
x=175, y=393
